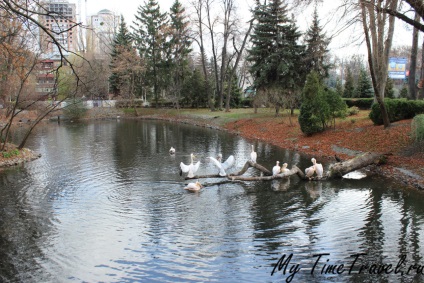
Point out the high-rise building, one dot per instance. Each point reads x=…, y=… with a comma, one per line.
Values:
x=100, y=33
x=59, y=16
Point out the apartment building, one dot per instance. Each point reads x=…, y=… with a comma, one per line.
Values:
x=59, y=16
x=102, y=28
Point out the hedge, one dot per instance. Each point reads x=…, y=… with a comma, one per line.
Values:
x=397, y=109
x=128, y=103
x=361, y=103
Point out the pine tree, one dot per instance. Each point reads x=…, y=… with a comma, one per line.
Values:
x=179, y=47
x=275, y=53
x=317, y=48
x=349, y=86
x=121, y=43
x=235, y=91
x=150, y=39
x=364, y=88
x=389, y=92
x=314, y=111
x=339, y=88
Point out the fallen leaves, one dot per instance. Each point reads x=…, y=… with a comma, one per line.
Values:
x=356, y=133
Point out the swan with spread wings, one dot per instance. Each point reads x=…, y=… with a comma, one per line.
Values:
x=222, y=166
x=190, y=168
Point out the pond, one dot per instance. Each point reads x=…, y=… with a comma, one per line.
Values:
x=106, y=203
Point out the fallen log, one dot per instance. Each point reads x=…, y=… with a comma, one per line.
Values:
x=339, y=169
x=246, y=166
x=249, y=164
x=295, y=170
x=336, y=170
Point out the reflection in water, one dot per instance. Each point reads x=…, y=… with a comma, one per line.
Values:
x=105, y=203
x=280, y=184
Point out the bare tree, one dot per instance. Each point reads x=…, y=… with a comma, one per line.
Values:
x=198, y=6
x=239, y=53
x=378, y=38
x=210, y=25
x=413, y=61
x=25, y=15
x=228, y=24
x=129, y=67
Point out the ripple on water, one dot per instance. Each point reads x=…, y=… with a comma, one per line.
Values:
x=94, y=209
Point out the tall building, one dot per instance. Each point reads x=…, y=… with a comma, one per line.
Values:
x=59, y=16
x=101, y=31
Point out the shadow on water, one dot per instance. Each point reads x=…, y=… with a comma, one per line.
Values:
x=106, y=203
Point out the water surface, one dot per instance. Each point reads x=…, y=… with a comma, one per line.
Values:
x=106, y=203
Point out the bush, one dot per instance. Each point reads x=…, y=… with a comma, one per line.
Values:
x=397, y=109
x=352, y=110
x=417, y=128
x=74, y=110
x=246, y=103
x=129, y=103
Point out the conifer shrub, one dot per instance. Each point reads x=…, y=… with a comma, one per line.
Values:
x=308, y=121
x=417, y=128
x=315, y=112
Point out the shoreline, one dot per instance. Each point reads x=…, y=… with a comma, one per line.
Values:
x=401, y=176
x=259, y=127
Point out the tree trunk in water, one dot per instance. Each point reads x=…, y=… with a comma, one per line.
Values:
x=336, y=170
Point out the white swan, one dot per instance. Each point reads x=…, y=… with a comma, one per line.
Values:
x=172, y=150
x=191, y=168
x=193, y=186
x=276, y=169
x=253, y=155
x=318, y=168
x=309, y=172
x=284, y=168
x=224, y=165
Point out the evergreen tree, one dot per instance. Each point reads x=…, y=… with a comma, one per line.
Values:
x=150, y=39
x=316, y=48
x=179, y=47
x=275, y=54
x=364, y=88
x=193, y=90
x=337, y=106
x=235, y=91
x=314, y=111
x=121, y=43
x=403, y=92
x=389, y=92
x=349, y=86
x=339, y=88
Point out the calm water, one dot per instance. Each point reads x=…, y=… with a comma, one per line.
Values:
x=105, y=203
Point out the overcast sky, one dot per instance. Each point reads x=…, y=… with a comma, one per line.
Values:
x=128, y=8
